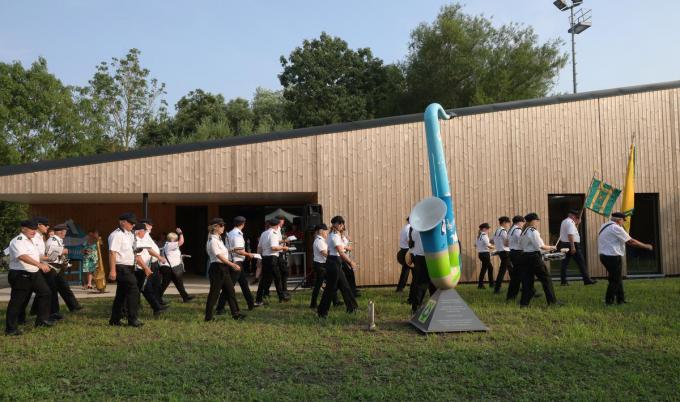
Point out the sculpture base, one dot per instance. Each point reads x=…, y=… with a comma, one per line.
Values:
x=446, y=312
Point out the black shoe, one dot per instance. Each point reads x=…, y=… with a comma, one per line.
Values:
x=556, y=303
x=13, y=332
x=163, y=307
x=481, y=287
x=158, y=313
x=56, y=317
x=209, y=319
x=538, y=295
x=135, y=323
x=284, y=299
x=45, y=323
x=313, y=306
x=351, y=310
x=340, y=303
x=77, y=308
x=163, y=302
x=496, y=291
x=622, y=302
x=238, y=316
x=189, y=298
x=220, y=312
x=115, y=323
x=590, y=283
x=21, y=322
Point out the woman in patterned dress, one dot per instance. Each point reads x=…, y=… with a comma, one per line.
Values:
x=90, y=257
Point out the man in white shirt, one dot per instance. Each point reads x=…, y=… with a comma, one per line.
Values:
x=320, y=251
x=155, y=259
x=236, y=245
x=570, y=238
x=611, y=246
x=532, y=262
x=55, y=251
x=39, y=241
x=401, y=255
x=270, y=242
x=502, y=243
x=122, y=260
x=24, y=278
x=514, y=235
x=144, y=247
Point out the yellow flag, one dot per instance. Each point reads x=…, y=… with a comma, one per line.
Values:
x=628, y=202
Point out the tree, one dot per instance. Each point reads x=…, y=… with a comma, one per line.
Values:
x=461, y=60
x=326, y=82
x=123, y=91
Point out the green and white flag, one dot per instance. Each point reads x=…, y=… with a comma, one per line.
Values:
x=602, y=197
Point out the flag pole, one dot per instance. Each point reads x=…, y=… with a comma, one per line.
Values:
x=583, y=207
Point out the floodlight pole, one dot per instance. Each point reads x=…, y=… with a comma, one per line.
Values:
x=573, y=46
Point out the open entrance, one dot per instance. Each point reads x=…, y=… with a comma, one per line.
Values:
x=193, y=220
x=558, y=209
x=644, y=226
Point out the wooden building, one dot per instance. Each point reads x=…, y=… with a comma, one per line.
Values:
x=503, y=159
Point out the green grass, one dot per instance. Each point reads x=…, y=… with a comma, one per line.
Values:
x=581, y=351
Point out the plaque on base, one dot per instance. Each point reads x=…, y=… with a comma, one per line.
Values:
x=446, y=312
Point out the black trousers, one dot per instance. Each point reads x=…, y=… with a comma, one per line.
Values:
x=319, y=279
x=535, y=267
x=24, y=283
x=284, y=271
x=240, y=277
x=580, y=262
x=405, y=269
x=614, y=266
x=270, y=273
x=351, y=278
x=220, y=281
x=127, y=293
x=485, y=258
x=335, y=280
x=156, y=280
x=505, y=265
x=515, y=274
x=175, y=276
x=421, y=282
x=148, y=290
x=58, y=287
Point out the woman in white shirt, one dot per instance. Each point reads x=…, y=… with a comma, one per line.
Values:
x=174, y=267
x=335, y=278
x=484, y=248
x=219, y=272
x=320, y=248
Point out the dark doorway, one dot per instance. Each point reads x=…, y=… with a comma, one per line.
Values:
x=193, y=220
x=644, y=226
x=558, y=208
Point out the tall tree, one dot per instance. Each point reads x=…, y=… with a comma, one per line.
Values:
x=461, y=60
x=123, y=91
x=326, y=82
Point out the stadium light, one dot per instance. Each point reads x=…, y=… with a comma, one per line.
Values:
x=579, y=21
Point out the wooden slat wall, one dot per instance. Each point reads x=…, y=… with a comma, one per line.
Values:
x=501, y=163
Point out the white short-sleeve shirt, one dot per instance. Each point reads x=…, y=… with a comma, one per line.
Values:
x=612, y=240
x=319, y=246
x=482, y=243
x=417, y=244
x=122, y=243
x=141, y=248
x=403, y=236
x=334, y=239
x=268, y=239
x=153, y=246
x=215, y=247
x=514, y=236
x=54, y=247
x=39, y=242
x=499, y=238
x=568, y=227
x=531, y=240
x=172, y=253
x=236, y=241
x=23, y=245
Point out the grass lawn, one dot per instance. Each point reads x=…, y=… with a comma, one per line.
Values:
x=580, y=351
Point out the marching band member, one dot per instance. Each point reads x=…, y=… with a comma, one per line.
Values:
x=502, y=244
x=570, y=238
x=55, y=256
x=143, y=272
x=401, y=255
x=154, y=258
x=237, y=249
x=335, y=278
x=219, y=271
x=346, y=268
x=611, y=245
x=320, y=247
x=515, y=254
x=24, y=278
x=174, y=267
x=122, y=260
x=421, y=278
x=532, y=262
x=270, y=242
x=484, y=248
x=39, y=241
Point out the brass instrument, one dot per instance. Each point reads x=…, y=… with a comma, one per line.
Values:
x=99, y=274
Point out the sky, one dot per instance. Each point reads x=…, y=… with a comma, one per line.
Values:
x=232, y=47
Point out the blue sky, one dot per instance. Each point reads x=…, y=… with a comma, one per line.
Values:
x=232, y=47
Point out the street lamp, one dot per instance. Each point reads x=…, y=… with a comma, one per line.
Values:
x=579, y=21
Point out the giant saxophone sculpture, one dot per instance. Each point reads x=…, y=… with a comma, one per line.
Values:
x=433, y=216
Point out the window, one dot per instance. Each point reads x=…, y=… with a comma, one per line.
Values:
x=558, y=208
x=644, y=226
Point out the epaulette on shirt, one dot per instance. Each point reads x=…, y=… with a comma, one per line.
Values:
x=20, y=238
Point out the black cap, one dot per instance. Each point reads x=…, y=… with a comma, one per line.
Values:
x=503, y=219
x=148, y=221
x=61, y=226
x=337, y=220
x=321, y=226
x=139, y=226
x=41, y=220
x=518, y=218
x=274, y=221
x=128, y=216
x=239, y=220
x=619, y=215
x=574, y=212
x=484, y=226
x=217, y=221
x=29, y=223
x=533, y=216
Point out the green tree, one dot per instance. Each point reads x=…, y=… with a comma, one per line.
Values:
x=461, y=60
x=123, y=91
x=240, y=116
x=326, y=82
